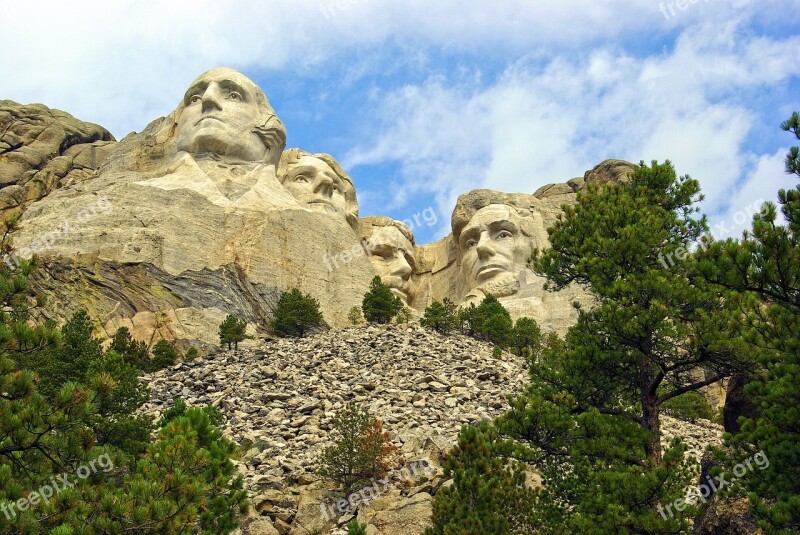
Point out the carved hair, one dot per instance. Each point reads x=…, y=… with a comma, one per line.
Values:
x=468, y=204
x=369, y=225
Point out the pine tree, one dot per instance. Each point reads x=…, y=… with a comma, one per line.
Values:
x=493, y=322
x=380, y=305
x=468, y=319
x=232, y=331
x=489, y=492
x=355, y=315
x=133, y=351
x=657, y=331
x=164, y=355
x=440, y=316
x=72, y=359
x=526, y=336
x=764, y=267
x=295, y=314
x=185, y=480
x=116, y=421
x=362, y=451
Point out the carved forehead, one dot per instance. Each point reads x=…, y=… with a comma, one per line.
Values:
x=225, y=74
x=391, y=235
x=309, y=162
x=493, y=213
x=372, y=225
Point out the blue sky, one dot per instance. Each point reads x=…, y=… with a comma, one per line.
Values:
x=423, y=100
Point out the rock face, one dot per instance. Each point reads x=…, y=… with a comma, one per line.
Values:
x=278, y=400
x=196, y=198
x=41, y=149
x=204, y=214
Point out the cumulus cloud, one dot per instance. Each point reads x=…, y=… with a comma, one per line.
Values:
x=547, y=121
x=122, y=63
x=580, y=80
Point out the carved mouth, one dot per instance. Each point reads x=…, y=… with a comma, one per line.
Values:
x=491, y=270
x=208, y=117
x=399, y=293
x=326, y=204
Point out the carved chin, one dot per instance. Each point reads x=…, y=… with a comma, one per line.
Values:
x=502, y=285
x=398, y=286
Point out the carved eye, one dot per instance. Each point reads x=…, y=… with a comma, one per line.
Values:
x=337, y=188
x=233, y=95
x=301, y=178
x=471, y=243
x=503, y=234
x=194, y=98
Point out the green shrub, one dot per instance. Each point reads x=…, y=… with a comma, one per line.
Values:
x=232, y=331
x=380, y=305
x=356, y=528
x=355, y=315
x=440, y=316
x=404, y=315
x=295, y=314
x=179, y=408
x=361, y=452
x=164, y=355
x=690, y=406
x=526, y=337
x=133, y=351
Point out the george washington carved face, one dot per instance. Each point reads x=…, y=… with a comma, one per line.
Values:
x=224, y=113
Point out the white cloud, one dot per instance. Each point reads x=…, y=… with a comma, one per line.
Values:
x=760, y=185
x=555, y=111
x=544, y=122
x=123, y=63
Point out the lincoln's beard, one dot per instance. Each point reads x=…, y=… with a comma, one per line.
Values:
x=501, y=285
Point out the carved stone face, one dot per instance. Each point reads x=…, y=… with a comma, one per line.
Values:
x=315, y=185
x=493, y=250
x=220, y=114
x=393, y=259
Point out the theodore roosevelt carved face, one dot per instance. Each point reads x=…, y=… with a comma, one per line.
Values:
x=391, y=247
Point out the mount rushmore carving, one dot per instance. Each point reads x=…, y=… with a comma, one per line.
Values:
x=209, y=214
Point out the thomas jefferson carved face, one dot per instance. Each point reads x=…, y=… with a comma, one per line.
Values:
x=316, y=185
x=221, y=112
x=393, y=259
x=493, y=249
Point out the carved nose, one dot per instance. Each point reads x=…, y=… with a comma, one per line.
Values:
x=324, y=185
x=400, y=266
x=212, y=98
x=484, y=247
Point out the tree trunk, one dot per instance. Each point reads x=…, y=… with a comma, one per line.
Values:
x=650, y=412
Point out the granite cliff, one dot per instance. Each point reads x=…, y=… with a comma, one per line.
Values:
x=205, y=213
